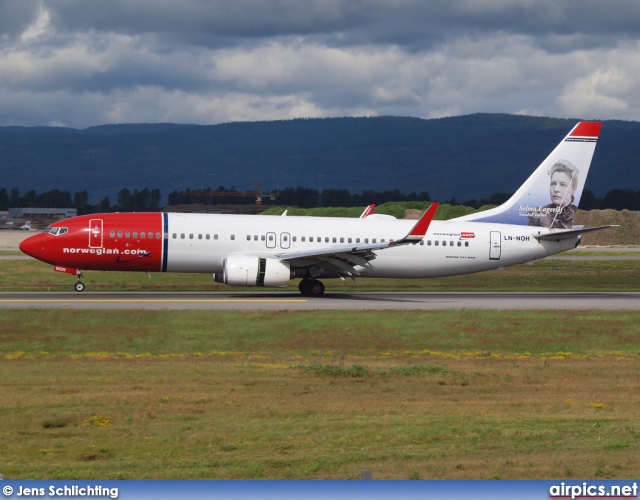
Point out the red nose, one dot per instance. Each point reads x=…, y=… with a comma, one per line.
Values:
x=32, y=246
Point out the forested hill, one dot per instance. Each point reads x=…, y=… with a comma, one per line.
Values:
x=463, y=157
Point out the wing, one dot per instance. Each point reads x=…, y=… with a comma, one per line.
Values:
x=343, y=259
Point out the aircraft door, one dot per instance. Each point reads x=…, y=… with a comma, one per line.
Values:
x=495, y=247
x=285, y=240
x=271, y=240
x=95, y=233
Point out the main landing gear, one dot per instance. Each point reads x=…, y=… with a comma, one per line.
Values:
x=311, y=288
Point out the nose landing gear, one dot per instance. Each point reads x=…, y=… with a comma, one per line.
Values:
x=79, y=286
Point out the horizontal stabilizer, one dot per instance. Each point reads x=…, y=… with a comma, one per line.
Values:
x=569, y=233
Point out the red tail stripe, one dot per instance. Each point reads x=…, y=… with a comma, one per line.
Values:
x=587, y=129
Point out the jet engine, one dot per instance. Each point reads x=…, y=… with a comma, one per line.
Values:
x=248, y=270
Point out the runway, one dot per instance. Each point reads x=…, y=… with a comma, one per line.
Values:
x=292, y=301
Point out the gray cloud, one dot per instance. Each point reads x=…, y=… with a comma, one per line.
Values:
x=81, y=63
x=401, y=22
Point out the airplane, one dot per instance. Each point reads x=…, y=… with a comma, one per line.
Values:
x=26, y=226
x=269, y=251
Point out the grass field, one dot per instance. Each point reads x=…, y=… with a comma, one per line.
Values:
x=545, y=275
x=213, y=395
x=205, y=395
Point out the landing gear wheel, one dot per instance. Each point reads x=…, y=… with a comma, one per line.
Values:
x=311, y=288
x=316, y=289
x=79, y=286
x=303, y=286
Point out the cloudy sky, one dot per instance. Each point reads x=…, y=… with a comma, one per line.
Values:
x=80, y=63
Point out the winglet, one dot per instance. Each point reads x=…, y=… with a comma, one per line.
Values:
x=367, y=211
x=420, y=229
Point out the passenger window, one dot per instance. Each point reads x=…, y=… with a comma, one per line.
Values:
x=262, y=238
x=326, y=239
x=174, y=236
x=366, y=240
x=349, y=240
x=182, y=236
x=119, y=234
x=374, y=240
x=142, y=235
x=422, y=243
x=428, y=243
x=215, y=236
x=334, y=239
x=303, y=239
x=311, y=239
x=190, y=236
x=112, y=234
x=459, y=243
x=199, y=236
x=127, y=234
x=135, y=234
x=437, y=243
x=357, y=240
x=294, y=238
x=451, y=243
x=151, y=235
x=466, y=243
x=248, y=237
x=208, y=236
x=233, y=236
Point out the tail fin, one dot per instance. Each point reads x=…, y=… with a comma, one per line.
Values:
x=550, y=196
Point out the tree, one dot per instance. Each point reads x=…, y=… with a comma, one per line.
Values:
x=125, y=200
x=4, y=199
x=104, y=205
x=81, y=202
x=14, y=198
x=619, y=199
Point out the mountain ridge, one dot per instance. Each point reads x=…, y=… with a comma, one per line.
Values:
x=463, y=157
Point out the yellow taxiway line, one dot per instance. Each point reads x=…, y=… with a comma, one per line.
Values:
x=147, y=300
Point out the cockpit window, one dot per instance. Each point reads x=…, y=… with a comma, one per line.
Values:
x=56, y=230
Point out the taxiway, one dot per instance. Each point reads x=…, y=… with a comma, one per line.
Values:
x=279, y=301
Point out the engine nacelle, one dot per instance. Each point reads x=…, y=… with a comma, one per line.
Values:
x=247, y=270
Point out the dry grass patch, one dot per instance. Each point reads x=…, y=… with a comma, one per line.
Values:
x=202, y=395
x=464, y=419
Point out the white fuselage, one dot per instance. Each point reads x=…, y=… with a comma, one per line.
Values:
x=201, y=242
